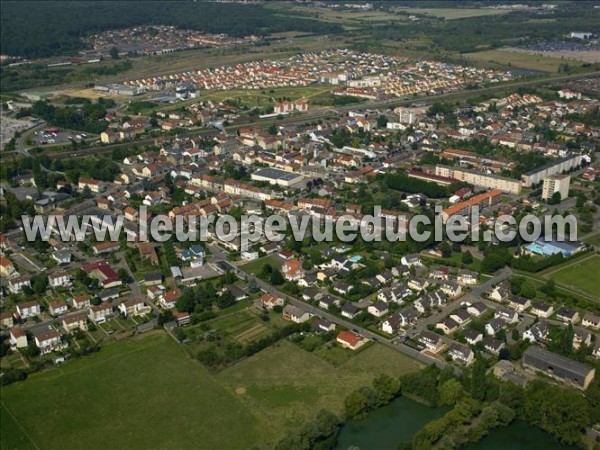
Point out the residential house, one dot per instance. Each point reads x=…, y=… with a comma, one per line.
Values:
x=18, y=338
x=507, y=315
x=461, y=317
x=16, y=284
x=500, y=292
x=295, y=314
x=567, y=315
x=58, y=307
x=477, y=309
x=412, y=260
x=591, y=320
x=472, y=336
x=378, y=309
x=519, y=304
x=292, y=270
x=323, y=326
x=99, y=313
x=75, y=322
x=134, y=307
x=349, y=340
x=538, y=332
x=269, y=301
x=494, y=325
x=350, y=310
x=493, y=345
x=430, y=341
x=168, y=299
x=59, y=279
x=447, y=325
x=542, y=309
x=29, y=309
x=81, y=302
x=460, y=353
x=6, y=319
x=451, y=289
x=467, y=277
x=47, y=340
x=327, y=301
x=417, y=284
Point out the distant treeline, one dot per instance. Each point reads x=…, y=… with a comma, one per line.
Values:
x=37, y=28
x=493, y=31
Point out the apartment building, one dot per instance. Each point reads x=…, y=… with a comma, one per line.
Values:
x=482, y=180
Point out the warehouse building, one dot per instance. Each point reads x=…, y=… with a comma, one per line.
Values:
x=277, y=177
x=558, y=367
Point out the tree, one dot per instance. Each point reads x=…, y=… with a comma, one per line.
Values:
x=358, y=402
x=276, y=278
x=478, y=385
x=445, y=249
x=467, y=258
x=528, y=289
x=382, y=121
x=114, y=53
x=39, y=283
x=387, y=388
x=450, y=392
x=123, y=275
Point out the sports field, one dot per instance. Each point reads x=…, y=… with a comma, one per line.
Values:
x=581, y=275
x=146, y=392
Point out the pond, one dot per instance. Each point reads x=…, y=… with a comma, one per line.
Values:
x=385, y=428
x=388, y=426
x=518, y=436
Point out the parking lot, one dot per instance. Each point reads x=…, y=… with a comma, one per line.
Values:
x=53, y=136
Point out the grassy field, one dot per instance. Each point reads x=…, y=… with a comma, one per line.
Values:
x=503, y=58
x=289, y=385
x=135, y=394
x=593, y=240
x=581, y=275
x=453, y=13
x=146, y=392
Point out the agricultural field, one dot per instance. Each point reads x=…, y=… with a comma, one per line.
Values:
x=149, y=383
x=503, y=58
x=582, y=275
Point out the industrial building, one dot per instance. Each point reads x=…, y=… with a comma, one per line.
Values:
x=558, y=367
x=277, y=177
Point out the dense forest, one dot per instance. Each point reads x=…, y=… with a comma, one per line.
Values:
x=37, y=29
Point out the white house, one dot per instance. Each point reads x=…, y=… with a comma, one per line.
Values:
x=29, y=309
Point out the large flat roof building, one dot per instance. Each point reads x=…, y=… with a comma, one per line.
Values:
x=559, y=367
x=277, y=176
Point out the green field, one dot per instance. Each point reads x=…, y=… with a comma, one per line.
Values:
x=583, y=275
x=593, y=240
x=503, y=58
x=453, y=13
x=146, y=392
